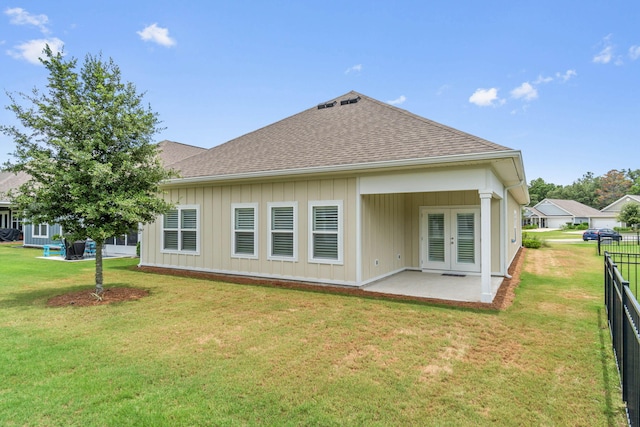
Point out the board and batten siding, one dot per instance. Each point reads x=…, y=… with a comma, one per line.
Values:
x=215, y=254
x=383, y=235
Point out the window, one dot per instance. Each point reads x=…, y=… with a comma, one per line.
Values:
x=180, y=230
x=282, y=231
x=245, y=236
x=40, y=231
x=325, y=240
x=16, y=221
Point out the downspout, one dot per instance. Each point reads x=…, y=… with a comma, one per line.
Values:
x=505, y=226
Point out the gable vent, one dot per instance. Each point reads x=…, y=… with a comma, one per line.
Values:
x=326, y=105
x=349, y=101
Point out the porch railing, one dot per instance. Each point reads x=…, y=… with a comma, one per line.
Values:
x=623, y=312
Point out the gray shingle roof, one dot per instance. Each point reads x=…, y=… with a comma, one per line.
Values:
x=367, y=131
x=9, y=181
x=576, y=208
x=171, y=152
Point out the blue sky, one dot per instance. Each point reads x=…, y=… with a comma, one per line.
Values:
x=558, y=80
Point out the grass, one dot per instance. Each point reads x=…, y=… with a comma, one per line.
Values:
x=197, y=352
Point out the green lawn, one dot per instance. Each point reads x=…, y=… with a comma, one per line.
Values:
x=198, y=352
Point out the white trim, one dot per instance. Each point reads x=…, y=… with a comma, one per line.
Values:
x=294, y=231
x=39, y=236
x=234, y=230
x=481, y=157
x=180, y=208
x=358, y=232
x=339, y=232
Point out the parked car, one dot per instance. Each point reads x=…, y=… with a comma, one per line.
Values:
x=601, y=233
x=590, y=234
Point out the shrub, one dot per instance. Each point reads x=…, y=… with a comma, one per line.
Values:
x=532, y=241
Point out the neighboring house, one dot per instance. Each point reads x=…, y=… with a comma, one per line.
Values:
x=555, y=213
x=532, y=216
x=38, y=235
x=346, y=192
x=9, y=218
x=613, y=210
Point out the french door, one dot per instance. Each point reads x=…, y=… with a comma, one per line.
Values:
x=450, y=239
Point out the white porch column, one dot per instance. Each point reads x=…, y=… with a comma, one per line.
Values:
x=485, y=247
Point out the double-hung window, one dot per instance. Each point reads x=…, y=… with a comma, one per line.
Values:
x=282, y=240
x=181, y=229
x=245, y=230
x=40, y=231
x=325, y=232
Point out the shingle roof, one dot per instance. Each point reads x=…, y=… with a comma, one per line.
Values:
x=171, y=152
x=9, y=181
x=367, y=131
x=576, y=208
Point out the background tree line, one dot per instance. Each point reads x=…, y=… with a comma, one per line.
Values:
x=591, y=190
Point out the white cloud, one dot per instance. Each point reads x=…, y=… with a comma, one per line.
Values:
x=485, y=97
x=20, y=16
x=541, y=79
x=525, y=91
x=398, y=101
x=32, y=50
x=157, y=35
x=355, y=69
x=607, y=54
x=634, y=52
x=569, y=74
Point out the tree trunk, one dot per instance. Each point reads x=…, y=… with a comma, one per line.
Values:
x=99, y=288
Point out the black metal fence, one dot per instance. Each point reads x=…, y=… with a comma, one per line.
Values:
x=623, y=313
x=626, y=243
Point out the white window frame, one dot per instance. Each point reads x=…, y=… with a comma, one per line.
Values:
x=271, y=231
x=181, y=208
x=16, y=220
x=234, y=230
x=339, y=232
x=38, y=227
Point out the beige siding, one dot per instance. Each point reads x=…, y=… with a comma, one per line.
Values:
x=383, y=235
x=414, y=201
x=215, y=229
x=514, y=229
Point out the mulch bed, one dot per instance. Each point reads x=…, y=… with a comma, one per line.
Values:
x=88, y=298
x=503, y=299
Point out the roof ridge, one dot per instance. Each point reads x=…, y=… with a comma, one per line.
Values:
x=431, y=122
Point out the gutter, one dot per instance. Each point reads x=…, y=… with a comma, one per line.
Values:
x=351, y=167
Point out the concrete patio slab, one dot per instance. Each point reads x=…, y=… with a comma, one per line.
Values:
x=433, y=285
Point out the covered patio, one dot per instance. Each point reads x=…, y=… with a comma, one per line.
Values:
x=466, y=288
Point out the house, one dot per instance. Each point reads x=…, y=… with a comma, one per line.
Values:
x=346, y=193
x=532, y=216
x=555, y=213
x=9, y=218
x=613, y=210
x=38, y=235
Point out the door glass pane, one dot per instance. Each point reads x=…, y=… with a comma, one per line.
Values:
x=435, y=236
x=466, y=238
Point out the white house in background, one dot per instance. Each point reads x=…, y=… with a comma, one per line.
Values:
x=556, y=213
x=614, y=208
x=532, y=216
x=346, y=192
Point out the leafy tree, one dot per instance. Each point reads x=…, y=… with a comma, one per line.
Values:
x=583, y=190
x=634, y=176
x=630, y=214
x=538, y=190
x=613, y=185
x=86, y=145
